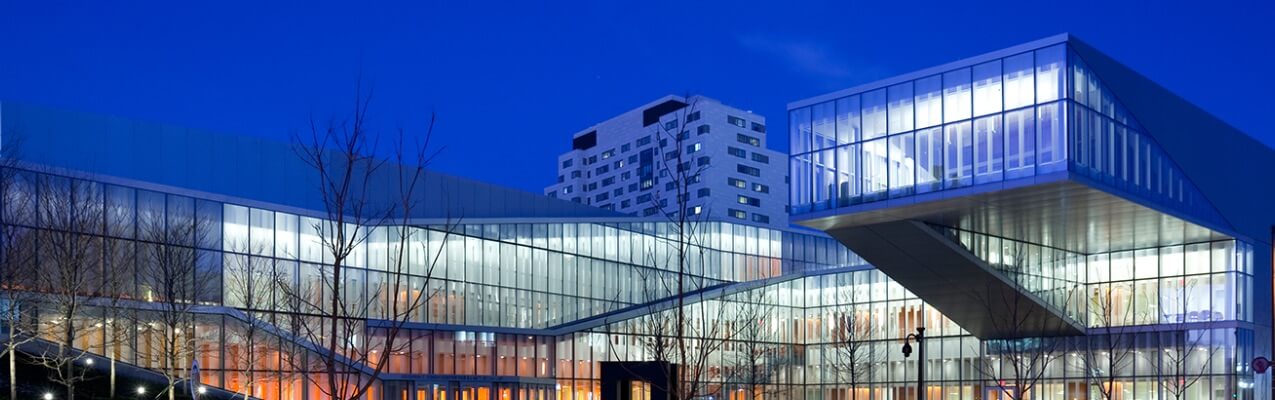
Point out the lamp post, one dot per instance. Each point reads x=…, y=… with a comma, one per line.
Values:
x=920, y=359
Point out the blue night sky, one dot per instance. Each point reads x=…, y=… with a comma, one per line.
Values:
x=511, y=82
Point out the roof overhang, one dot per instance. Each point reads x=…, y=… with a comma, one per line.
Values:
x=1057, y=210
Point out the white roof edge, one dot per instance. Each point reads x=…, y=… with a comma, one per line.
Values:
x=662, y=99
x=1005, y=52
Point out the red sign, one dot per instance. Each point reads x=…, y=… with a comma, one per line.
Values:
x=1261, y=364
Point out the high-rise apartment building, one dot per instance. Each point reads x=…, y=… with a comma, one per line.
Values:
x=633, y=163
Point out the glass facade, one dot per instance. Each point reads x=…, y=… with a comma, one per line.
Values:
x=502, y=288
x=512, y=308
x=1178, y=309
x=985, y=123
x=497, y=290
x=1037, y=112
x=960, y=366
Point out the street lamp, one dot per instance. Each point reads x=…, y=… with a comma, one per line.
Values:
x=920, y=359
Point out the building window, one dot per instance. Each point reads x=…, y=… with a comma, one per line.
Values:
x=670, y=185
x=625, y=147
x=759, y=218
x=747, y=170
x=633, y=159
x=602, y=196
x=739, y=183
x=749, y=140
x=761, y=158
x=752, y=201
x=702, y=161
x=692, y=117
x=619, y=164
x=649, y=211
x=633, y=187
x=646, y=198
x=694, y=148
x=736, y=152
x=737, y=121
x=670, y=125
x=625, y=204
x=760, y=188
x=702, y=192
x=759, y=128
x=567, y=163
x=618, y=191
x=693, y=179
x=643, y=141
x=608, y=181
x=738, y=214
x=646, y=169
x=575, y=174
x=696, y=210
x=670, y=155
x=602, y=170
x=608, y=154
x=702, y=129
x=561, y=179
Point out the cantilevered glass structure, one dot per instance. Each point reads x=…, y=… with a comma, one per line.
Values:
x=1046, y=193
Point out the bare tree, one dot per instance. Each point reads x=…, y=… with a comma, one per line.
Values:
x=117, y=290
x=655, y=327
x=331, y=311
x=680, y=328
x=696, y=334
x=853, y=352
x=17, y=262
x=250, y=282
x=1112, y=350
x=168, y=267
x=753, y=359
x=1187, y=353
x=70, y=215
x=1017, y=365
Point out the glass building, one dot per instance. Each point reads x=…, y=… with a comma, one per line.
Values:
x=1083, y=205
x=1037, y=210
x=523, y=295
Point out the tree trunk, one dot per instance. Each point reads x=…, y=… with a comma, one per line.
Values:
x=112, y=393
x=13, y=371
